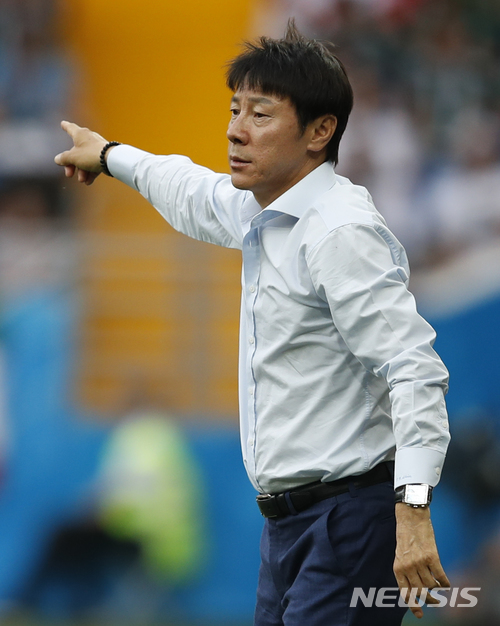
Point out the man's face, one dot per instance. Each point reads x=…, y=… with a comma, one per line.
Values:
x=268, y=153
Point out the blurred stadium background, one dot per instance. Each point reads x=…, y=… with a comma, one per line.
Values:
x=122, y=495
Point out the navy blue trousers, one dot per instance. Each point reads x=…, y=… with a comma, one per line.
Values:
x=312, y=562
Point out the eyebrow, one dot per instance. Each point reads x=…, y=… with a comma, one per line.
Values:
x=254, y=100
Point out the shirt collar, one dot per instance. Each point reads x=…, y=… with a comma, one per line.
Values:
x=298, y=198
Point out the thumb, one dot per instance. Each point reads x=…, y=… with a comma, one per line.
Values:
x=64, y=158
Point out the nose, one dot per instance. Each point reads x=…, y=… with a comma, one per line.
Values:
x=237, y=132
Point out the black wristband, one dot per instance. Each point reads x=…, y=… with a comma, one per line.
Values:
x=102, y=158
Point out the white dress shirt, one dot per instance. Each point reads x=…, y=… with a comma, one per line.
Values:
x=337, y=371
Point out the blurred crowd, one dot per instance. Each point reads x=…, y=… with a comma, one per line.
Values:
x=35, y=89
x=36, y=247
x=35, y=86
x=424, y=136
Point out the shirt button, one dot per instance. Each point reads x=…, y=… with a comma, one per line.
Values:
x=250, y=442
x=251, y=341
x=252, y=288
x=250, y=391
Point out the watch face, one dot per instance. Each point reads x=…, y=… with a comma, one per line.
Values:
x=416, y=494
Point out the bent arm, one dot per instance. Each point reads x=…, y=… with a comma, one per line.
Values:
x=357, y=272
x=359, y=275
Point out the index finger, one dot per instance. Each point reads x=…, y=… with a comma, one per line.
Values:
x=70, y=127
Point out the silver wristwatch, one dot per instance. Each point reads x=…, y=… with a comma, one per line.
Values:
x=417, y=496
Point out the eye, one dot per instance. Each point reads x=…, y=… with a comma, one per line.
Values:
x=234, y=112
x=260, y=115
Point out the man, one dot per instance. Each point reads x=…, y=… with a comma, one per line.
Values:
x=337, y=372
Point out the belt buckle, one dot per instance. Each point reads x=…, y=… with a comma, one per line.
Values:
x=262, y=497
x=262, y=500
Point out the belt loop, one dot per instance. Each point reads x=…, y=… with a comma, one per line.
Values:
x=352, y=490
x=288, y=499
x=281, y=504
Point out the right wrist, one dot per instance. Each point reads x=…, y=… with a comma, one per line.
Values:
x=103, y=157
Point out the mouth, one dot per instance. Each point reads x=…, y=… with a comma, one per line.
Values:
x=237, y=162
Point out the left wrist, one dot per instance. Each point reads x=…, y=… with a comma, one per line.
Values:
x=414, y=495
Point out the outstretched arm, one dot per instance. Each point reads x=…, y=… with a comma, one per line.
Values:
x=193, y=199
x=83, y=157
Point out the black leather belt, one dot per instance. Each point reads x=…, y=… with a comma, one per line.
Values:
x=301, y=498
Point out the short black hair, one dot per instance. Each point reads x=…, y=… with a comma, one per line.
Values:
x=304, y=70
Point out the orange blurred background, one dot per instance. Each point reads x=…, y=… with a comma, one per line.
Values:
x=160, y=312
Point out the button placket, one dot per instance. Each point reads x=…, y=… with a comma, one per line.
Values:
x=251, y=261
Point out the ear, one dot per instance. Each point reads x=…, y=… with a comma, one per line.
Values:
x=321, y=130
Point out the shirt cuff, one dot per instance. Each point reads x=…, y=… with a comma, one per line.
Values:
x=418, y=465
x=122, y=161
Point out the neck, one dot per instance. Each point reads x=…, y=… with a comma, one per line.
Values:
x=265, y=198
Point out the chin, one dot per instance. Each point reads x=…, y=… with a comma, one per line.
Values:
x=240, y=183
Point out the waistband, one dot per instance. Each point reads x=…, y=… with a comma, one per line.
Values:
x=297, y=500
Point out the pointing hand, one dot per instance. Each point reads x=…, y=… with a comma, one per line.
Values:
x=83, y=157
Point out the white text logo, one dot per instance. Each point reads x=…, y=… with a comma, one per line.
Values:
x=392, y=596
